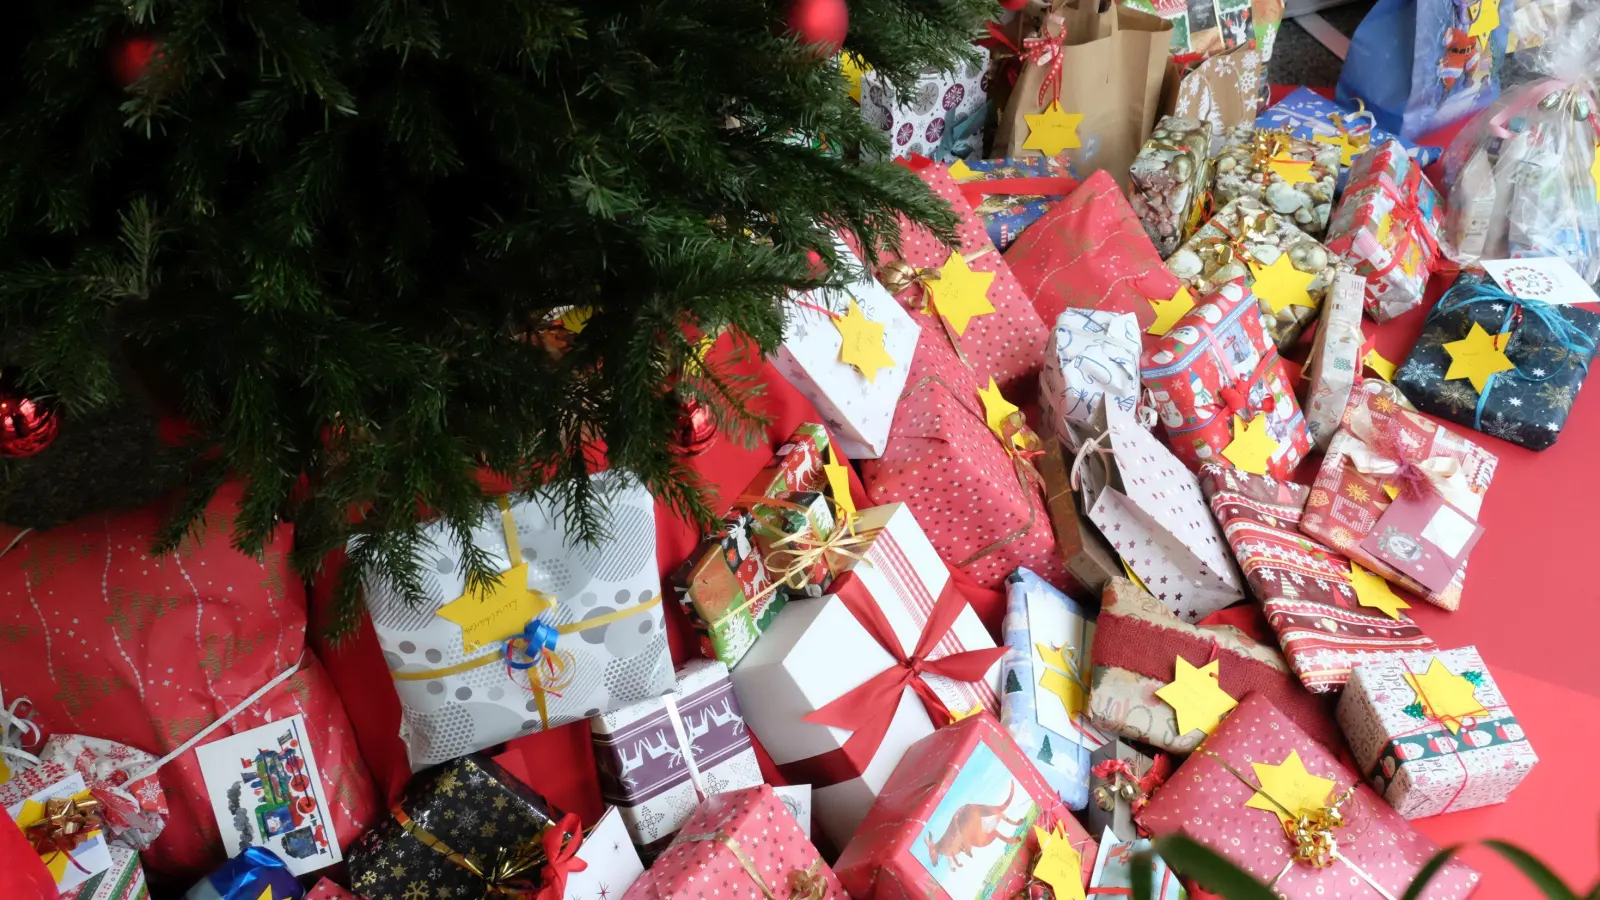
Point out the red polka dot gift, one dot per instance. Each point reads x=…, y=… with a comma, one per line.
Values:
x=1275, y=803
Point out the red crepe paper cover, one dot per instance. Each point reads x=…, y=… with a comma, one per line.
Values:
x=1090, y=251
x=1206, y=802
x=109, y=641
x=907, y=822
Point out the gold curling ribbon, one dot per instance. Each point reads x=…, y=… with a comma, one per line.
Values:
x=62, y=825
x=802, y=884
x=510, y=863
x=900, y=276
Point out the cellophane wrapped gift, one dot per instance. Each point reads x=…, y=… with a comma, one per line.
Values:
x=1136, y=645
x=327, y=890
x=458, y=693
x=742, y=843
x=123, y=881
x=1304, y=586
x=241, y=620
x=1091, y=252
x=1092, y=360
x=724, y=585
x=1309, y=116
x=468, y=811
x=133, y=809
x=1228, y=795
x=1218, y=365
x=1012, y=191
x=1245, y=168
x=1169, y=178
x=1046, y=684
x=1432, y=733
x=1549, y=346
x=823, y=661
x=1089, y=558
x=1387, y=230
x=1380, y=440
x=657, y=758
x=957, y=820
x=1334, y=363
x=857, y=403
x=943, y=116
x=1211, y=258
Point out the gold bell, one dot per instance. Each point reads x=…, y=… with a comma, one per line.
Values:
x=1128, y=791
x=1105, y=798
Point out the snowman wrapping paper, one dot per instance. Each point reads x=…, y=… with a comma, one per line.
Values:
x=602, y=601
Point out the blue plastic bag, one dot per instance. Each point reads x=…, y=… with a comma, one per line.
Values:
x=1418, y=68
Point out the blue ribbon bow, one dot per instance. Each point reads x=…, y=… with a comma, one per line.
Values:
x=538, y=637
x=963, y=138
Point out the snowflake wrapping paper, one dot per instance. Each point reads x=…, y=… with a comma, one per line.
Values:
x=327, y=890
x=1213, y=256
x=1168, y=181
x=1388, y=231
x=1244, y=169
x=1206, y=801
x=956, y=821
x=740, y=844
x=725, y=585
x=1550, y=348
x=1005, y=215
x=1304, y=587
x=1348, y=496
x=134, y=811
x=1411, y=757
x=1308, y=115
x=1335, y=359
x=1136, y=646
x=1223, y=91
x=123, y=881
x=644, y=753
x=456, y=700
x=470, y=804
x=1092, y=360
x=942, y=118
x=1218, y=364
x=1045, y=685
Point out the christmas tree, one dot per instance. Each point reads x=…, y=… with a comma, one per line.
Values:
x=348, y=243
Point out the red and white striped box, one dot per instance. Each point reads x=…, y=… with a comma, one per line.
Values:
x=123, y=881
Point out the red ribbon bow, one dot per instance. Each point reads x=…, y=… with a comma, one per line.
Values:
x=561, y=843
x=1044, y=50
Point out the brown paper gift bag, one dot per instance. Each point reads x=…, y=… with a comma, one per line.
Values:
x=1111, y=68
x=1222, y=90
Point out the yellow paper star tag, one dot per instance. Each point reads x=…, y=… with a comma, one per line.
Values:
x=838, y=475
x=577, y=318
x=1169, y=311
x=960, y=294
x=1477, y=356
x=267, y=894
x=960, y=171
x=1347, y=148
x=1282, y=285
x=1372, y=591
x=1288, y=790
x=1293, y=171
x=1594, y=170
x=1058, y=680
x=1134, y=577
x=1060, y=865
x=862, y=345
x=1052, y=131
x=995, y=408
x=1196, y=696
x=1385, y=223
x=5, y=771
x=1391, y=490
x=1381, y=367
x=1486, y=20
x=501, y=612
x=1251, y=447
x=852, y=70
x=1446, y=696
x=969, y=713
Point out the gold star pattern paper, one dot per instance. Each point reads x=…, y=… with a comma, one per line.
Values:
x=1487, y=19
x=1288, y=785
x=499, y=613
x=1052, y=131
x=1251, y=447
x=1196, y=697
x=1169, y=311
x=1059, y=864
x=960, y=294
x=995, y=408
x=1372, y=591
x=1347, y=147
x=1282, y=285
x=862, y=345
x=1446, y=696
x=838, y=475
x=1292, y=171
x=1478, y=356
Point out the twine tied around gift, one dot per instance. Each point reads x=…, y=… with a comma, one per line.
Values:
x=899, y=276
x=1127, y=785
x=62, y=825
x=1099, y=446
x=800, y=884
x=508, y=874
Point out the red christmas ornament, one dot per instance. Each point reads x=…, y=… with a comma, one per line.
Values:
x=820, y=24
x=697, y=431
x=27, y=426
x=131, y=57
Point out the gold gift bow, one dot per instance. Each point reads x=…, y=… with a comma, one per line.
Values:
x=1268, y=144
x=1312, y=833
x=803, y=884
x=63, y=823
x=1259, y=227
x=509, y=863
x=1444, y=472
x=900, y=276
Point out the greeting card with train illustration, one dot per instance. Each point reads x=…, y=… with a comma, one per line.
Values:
x=977, y=830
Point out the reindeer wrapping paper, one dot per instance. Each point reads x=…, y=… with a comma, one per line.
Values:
x=956, y=821
x=1411, y=757
x=657, y=756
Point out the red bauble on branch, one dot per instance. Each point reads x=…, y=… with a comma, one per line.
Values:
x=820, y=24
x=697, y=430
x=27, y=426
x=131, y=57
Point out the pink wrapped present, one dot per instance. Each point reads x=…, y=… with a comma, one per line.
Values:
x=327, y=890
x=1216, y=364
x=1387, y=228
x=741, y=843
x=1232, y=793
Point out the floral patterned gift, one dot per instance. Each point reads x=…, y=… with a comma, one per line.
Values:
x=1295, y=178
x=1169, y=179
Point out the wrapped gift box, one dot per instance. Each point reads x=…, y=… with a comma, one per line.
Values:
x=1169, y=179
x=1218, y=364
x=658, y=758
x=1226, y=796
x=1089, y=558
x=133, y=809
x=458, y=694
x=256, y=873
x=1136, y=645
x=123, y=881
x=1389, y=163
x=52, y=805
x=725, y=585
x=740, y=844
x=1247, y=227
x=611, y=864
x=941, y=118
x=956, y=820
x=1121, y=780
x=470, y=806
x=1304, y=587
x=1388, y=232
x=1432, y=733
x=1335, y=359
x=1113, y=871
x=1092, y=360
x=327, y=890
x=819, y=651
x=1046, y=684
x=1308, y=115
x=1245, y=168
x=1550, y=348
x=1378, y=439
x=1012, y=193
